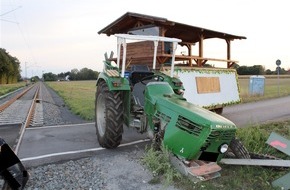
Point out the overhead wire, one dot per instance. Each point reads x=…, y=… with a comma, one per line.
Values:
x=10, y=11
x=16, y=21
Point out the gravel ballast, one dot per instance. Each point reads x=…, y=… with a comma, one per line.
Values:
x=118, y=170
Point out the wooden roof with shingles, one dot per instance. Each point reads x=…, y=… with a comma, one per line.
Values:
x=186, y=33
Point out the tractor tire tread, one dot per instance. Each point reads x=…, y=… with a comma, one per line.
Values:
x=238, y=149
x=114, y=117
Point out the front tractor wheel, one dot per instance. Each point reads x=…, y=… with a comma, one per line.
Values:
x=109, y=116
x=238, y=150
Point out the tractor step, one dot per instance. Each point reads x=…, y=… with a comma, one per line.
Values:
x=197, y=170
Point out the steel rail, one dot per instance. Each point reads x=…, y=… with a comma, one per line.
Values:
x=27, y=120
x=11, y=101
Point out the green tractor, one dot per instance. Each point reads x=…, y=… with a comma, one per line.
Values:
x=152, y=102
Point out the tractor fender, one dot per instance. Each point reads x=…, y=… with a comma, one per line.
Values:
x=114, y=83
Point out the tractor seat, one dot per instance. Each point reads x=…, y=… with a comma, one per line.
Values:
x=138, y=94
x=138, y=72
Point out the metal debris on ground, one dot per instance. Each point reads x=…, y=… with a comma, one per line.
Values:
x=196, y=170
x=282, y=144
x=278, y=142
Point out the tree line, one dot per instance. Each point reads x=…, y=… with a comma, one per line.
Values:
x=10, y=71
x=9, y=68
x=260, y=70
x=74, y=74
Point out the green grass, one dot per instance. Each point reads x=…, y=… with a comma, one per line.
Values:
x=271, y=89
x=79, y=96
x=158, y=162
x=254, y=137
x=6, y=88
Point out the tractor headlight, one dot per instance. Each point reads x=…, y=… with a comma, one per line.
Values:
x=223, y=148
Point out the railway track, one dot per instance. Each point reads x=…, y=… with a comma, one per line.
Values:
x=18, y=113
x=31, y=107
x=15, y=116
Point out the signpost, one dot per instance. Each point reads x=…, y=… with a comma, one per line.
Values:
x=278, y=63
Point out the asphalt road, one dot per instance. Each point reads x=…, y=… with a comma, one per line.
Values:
x=259, y=112
x=44, y=145
x=10, y=132
x=52, y=144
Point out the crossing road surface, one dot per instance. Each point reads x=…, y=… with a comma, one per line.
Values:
x=50, y=144
x=259, y=112
x=42, y=145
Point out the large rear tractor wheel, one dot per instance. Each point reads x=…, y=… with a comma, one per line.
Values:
x=109, y=116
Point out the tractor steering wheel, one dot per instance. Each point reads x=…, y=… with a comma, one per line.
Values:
x=155, y=77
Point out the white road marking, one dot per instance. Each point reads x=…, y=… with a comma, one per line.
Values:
x=78, y=151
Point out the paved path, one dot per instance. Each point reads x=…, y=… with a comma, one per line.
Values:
x=259, y=112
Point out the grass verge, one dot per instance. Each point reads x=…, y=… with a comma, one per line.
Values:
x=233, y=177
x=273, y=88
x=79, y=96
x=6, y=88
x=158, y=162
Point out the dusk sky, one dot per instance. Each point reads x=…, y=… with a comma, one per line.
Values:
x=59, y=35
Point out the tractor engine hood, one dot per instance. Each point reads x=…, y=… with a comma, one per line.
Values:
x=189, y=130
x=162, y=96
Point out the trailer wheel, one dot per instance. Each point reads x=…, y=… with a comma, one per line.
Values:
x=109, y=116
x=237, y=149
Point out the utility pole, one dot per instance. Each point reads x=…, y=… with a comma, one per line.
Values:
x=42, y=76
x=26, y=73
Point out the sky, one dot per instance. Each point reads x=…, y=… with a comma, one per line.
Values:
x=60, y=35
